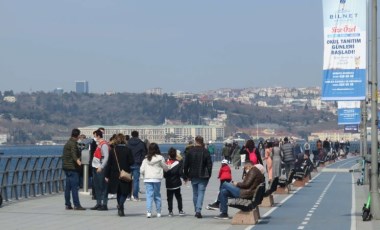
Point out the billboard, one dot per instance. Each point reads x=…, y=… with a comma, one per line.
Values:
x=349, y=112
x=345, y=52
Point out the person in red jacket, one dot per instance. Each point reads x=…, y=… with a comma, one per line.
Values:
x=224, y=176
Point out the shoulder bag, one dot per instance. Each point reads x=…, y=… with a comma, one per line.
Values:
x=124, y=176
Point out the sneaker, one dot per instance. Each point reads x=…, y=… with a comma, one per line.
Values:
x=129, y=198
x=222, y=216
x=170, y=214
x=182, y=213
x=158, y=215
x=111, y=196
x=213, y=206
x=148, y=215
x=69, y=207
x=79, y=208
x=198, y=215
x=136, y=199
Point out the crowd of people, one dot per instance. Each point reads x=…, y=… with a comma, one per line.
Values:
x=273, y=157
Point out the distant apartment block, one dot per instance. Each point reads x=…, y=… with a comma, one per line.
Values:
x=58, y=91
x=156, y=91
x=3, y=138
x=162, y=133
x=81, y=87
x=10, y=99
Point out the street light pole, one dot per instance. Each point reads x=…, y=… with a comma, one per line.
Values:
x=375, y=199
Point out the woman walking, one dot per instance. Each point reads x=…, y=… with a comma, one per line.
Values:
x=152, y=169
x=120, y=158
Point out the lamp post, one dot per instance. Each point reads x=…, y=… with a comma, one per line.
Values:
x=375, y=199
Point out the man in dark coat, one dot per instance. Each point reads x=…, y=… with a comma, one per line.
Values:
x=139, y=151
x=245, y=189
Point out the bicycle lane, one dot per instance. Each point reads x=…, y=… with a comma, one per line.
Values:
x=327, y=198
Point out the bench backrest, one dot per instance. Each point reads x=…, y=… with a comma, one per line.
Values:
x=273, y=187
x=259, y=195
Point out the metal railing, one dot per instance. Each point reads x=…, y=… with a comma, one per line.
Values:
x=30, y=176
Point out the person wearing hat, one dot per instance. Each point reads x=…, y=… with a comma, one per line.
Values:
x=224, y=175
x=244, y=189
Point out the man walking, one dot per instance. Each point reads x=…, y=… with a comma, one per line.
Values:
x=287, y=152
x=139, y=151
x=197, y=168
x=71, y=165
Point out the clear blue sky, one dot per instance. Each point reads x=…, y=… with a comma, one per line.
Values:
x=130, y=46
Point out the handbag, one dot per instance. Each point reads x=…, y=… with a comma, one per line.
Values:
x=124, y=176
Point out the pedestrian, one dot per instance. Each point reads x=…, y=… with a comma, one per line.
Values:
x=139, y=151
x=225, y=176
x=268, y=159
x=245, y=189
x=99, y=163
x=288, y=156
x=236, y=159
x=71, y=164
x=198, y=168
x=173, y=181
x=120, y=158
x=93, y=146
x=152, y=169
x=276, y=159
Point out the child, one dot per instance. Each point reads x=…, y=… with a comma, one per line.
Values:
x=173, y=181
x=224, y=176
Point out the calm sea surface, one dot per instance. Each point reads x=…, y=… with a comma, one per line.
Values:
x=57, y=149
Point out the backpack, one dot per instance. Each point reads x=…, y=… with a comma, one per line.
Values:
x=252, y=156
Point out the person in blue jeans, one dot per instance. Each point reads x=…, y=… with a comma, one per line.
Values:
x=245, y=189
x=139, y=151
x=152, y=169
x=198, y=168
x=71, y=164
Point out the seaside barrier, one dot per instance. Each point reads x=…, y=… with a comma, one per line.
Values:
x=30, y=176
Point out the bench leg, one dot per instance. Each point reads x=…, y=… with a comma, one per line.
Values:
x=246, y=218
x=299, y=183
x=267, y=201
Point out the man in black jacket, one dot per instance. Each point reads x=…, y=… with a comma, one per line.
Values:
x=197, y=168
x=139, y=151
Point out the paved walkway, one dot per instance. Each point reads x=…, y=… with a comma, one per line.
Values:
x=289, y=212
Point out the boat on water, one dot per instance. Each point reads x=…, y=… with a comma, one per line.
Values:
x=46, y=142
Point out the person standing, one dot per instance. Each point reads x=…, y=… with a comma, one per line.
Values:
x=173, y=180
x=99, y=163
x=268, y=159
x=71, y=164
x=288, y=156
x=276, y=159
x=120, y=158
x=139, y=151
x=152, y=169
x=198, y=168
x=236, y=159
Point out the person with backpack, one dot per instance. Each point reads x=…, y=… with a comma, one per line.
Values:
x=251, y=153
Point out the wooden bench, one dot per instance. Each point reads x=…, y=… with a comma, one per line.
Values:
x=302, y=177
x=268, y=200
x=249, y=213
x=284, y=184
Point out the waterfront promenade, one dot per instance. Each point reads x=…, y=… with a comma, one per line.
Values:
x=332, y=200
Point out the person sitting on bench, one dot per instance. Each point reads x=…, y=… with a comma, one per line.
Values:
x=245, y=189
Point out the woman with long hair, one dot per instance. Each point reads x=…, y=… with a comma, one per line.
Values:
x=152, y=169
x=120, y=158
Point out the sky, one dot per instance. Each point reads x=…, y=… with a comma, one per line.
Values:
x=131, y=46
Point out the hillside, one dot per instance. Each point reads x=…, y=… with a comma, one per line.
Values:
x=41, y=115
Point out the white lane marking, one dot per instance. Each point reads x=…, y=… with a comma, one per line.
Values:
x=311, y=211
x=280, y=204
x=353, y=207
